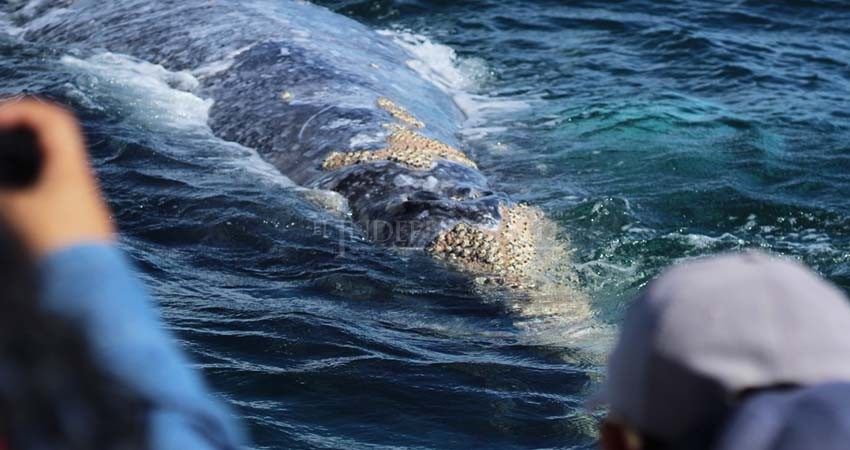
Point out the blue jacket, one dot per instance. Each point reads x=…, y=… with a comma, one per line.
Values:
x=93, y=286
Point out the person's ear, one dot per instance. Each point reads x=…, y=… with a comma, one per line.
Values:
x=613, y=436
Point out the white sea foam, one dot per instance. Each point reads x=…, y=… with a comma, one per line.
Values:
x=463, y=78
x=147, y=92
x=149, y=96
x=219, y=66
x=440, y=63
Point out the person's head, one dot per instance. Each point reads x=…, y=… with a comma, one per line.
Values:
x=707, y=334
x=52, y=393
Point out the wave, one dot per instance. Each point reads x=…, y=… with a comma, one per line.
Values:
x=463, y=78
x=160, y=101
x=147, y=92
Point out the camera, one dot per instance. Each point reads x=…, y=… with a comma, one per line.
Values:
x=20, y=158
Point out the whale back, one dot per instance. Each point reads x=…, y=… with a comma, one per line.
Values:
x=270, y=66
x=330, y=103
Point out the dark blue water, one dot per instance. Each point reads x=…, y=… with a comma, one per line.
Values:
x=650, y=131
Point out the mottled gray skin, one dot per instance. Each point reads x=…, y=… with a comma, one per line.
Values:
x=332, y=70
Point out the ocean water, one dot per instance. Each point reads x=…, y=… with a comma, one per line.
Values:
x=650, y=132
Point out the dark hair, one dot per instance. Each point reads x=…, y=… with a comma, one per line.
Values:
x=52, y=393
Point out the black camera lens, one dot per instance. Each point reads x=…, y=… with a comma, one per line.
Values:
x=20, y=158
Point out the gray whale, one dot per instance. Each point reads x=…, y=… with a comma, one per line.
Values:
x=327, y=101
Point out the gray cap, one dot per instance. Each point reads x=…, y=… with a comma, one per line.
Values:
x=708, y=330
x=801, y=419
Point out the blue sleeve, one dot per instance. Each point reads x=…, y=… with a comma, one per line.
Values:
x=93, y=286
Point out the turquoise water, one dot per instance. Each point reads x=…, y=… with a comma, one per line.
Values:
x=649, y=131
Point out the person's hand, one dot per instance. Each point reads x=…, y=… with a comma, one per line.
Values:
x=64, y=206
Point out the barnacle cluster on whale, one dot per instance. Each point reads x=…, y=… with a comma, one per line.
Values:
x=405, y=147
x=400, y=113
x=505, y=253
